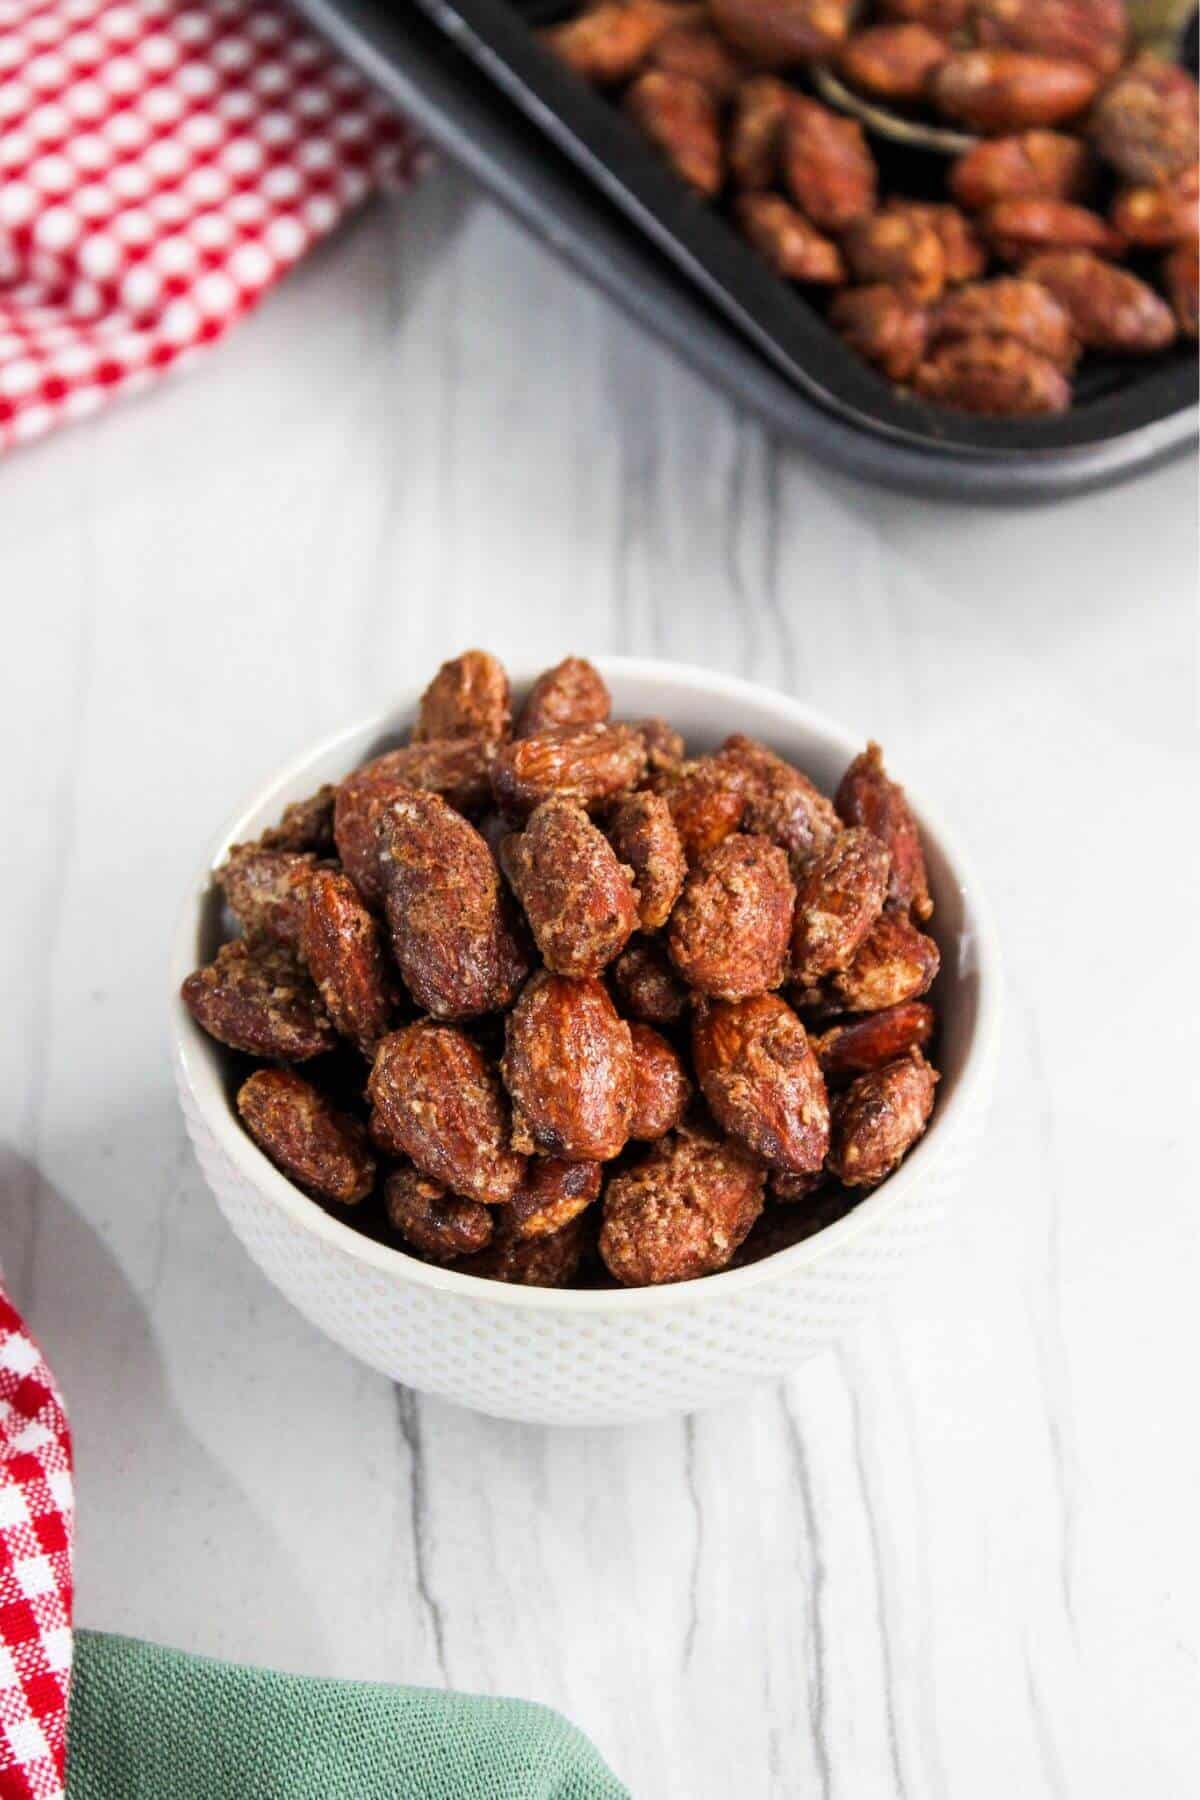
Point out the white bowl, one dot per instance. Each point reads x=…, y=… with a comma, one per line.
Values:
x=587, y=1358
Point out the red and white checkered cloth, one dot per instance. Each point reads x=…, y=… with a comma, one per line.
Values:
x=162, y=162
x=37, y=1514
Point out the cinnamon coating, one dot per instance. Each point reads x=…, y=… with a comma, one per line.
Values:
x=579, y=1068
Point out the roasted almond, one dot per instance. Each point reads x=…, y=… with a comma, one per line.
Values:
x=438, y=1098
x=568, y=1066
x=762, y=1082
x=879, y=1118
x=452, y=932
x=578, y=896
x=728, y=935
x=322, y=1150
x=682, y=1211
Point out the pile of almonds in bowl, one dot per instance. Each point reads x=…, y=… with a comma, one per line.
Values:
x=550, y=1001
x=1066, y=226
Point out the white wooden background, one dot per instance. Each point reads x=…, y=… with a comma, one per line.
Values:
x=959, y=1558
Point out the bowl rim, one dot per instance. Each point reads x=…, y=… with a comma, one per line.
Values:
x=196, y=1068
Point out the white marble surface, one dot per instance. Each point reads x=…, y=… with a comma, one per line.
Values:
x=959, y=1558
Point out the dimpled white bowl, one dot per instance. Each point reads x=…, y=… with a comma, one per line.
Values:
x=589, y=1358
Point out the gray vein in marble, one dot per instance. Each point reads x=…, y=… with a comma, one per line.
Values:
x=447, y=436
x=1047, y=1748
x=408, y=1418
x=376, y=601
x=693, y=1491
x=817, y=1683
x=789, y=674
x=932, y=1764
x=875, y=1535
x=1048, y=1336
x=734, y=517
x=775, y=1760
x=637, y=430
x=175, y=1175
x=754, y=512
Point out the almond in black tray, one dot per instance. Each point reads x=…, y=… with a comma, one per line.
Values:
x=1083, y=145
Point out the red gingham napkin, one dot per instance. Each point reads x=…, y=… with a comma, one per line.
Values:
x=162, y=162
x=37, y=1513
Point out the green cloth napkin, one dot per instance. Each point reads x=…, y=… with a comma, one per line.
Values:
x=153, y=1724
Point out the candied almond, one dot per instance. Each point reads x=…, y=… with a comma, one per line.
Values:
x=838, y=902
x=884, y=324
x=879, y=1118
x=1008, y=306
x=468, y=698
x=963, y=253
x=1084, y=31
x=694, y=50
x=578, y=896
x=568, y=1067
x=661, y=1089
x=304, y=824
x=322, y=1150
x=645, y=840
x=664, y=746
x=552, y=1194
x=728, y=935
x=591, y=764
x=827, y=164
x=681, y=1211
x=707, y=799
x=683, y=121
x=608, y=42
x=438, y=1099
x=1144, y=124
x=1109, y=308
x=782, y=33
x=647, y=986
x=451, y=929
x=868, y=796
x=759, y=109
x=342, y=945
x=1160, y=214
x=892, y=62
x=431, y=1220
x=896, y=962
x=795, y=1190
x=794, y=248
x=854, y=1046
x=1030, y=165
x=549, y=1260
x=897, y=246
x=257, y=998
x=781, y=802
x=265, y=889
x=761, y=1080
x=1019, y=229
x=991, y=375
x=457, y=770
x=1003, y=91
x=572, y=693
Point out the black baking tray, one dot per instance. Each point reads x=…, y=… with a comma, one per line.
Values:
x=473, y=75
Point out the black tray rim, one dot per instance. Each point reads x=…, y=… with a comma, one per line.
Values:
x=596, y=136
x=468, y=121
